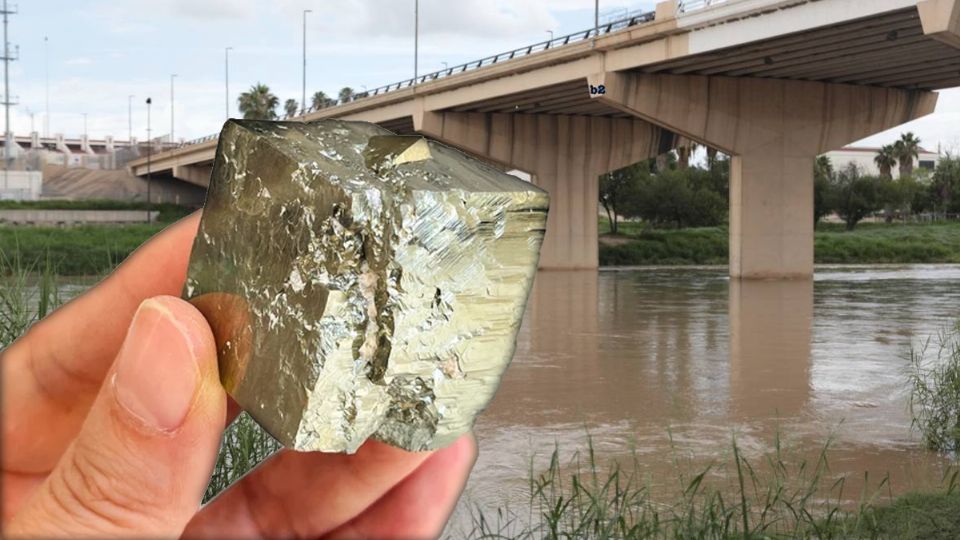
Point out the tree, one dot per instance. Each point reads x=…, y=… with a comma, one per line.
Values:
x=683, y=154
x=886, y=160
x=672, y=198
x=258, y=103
x=823, y=177
x=907, y=149
x=321, y=100
x=945, y=185
x=291, y=106
x=855, y=196
x=346, y=94
x=619, y=190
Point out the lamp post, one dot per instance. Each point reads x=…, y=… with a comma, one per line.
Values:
x=172, y=138
x=303, y=96
x=85, y=126
x=130, y=119
x=226, y=81
x=149, y=144
x=46, y=70
x=596, y=18
x=551, y=38
x=416, y=38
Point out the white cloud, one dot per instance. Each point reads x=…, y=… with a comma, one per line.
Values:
x=78, y=61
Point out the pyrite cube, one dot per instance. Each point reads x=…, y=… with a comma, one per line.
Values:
x=361, y=284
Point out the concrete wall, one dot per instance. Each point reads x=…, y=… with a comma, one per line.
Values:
x=20, y=185
x=74, y=217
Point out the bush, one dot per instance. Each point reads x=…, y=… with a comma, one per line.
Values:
x=935, y=392
x=855, y=196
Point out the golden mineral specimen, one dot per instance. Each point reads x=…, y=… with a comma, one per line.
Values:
x=359, y=283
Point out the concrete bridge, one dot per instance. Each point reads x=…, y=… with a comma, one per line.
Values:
x=774, y=83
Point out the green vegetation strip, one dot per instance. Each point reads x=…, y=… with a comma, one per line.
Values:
x=88, y=250
x=870, y=243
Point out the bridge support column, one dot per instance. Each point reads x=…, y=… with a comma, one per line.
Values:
x=774, y=129
x=566, y=154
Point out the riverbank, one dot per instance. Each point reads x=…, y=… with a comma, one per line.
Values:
x=869, y=243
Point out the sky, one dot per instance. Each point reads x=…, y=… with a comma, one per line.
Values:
x=99, y=52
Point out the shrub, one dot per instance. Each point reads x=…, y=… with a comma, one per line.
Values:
x=935, y=391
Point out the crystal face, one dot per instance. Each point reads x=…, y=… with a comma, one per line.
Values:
x=359, y=283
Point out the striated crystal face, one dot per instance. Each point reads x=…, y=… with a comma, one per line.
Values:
x=361, y=284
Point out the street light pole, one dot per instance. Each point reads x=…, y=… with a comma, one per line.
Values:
x=416, y=38
x=130, y=119
x=85, y=126
x=596, y=18
x=172, y=138
x=226, y=81
x=149, y=144
x=303, y=96
x=46, y=69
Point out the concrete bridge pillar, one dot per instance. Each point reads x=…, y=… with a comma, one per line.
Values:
x=773, y=129
x=566, y=154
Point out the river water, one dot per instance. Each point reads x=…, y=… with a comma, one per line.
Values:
x=669, y=361
x=658, y=363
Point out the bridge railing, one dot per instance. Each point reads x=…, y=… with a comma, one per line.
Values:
x=632, y=19
x=686, y=6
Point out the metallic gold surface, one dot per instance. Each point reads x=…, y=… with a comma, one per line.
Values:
x=359, y=283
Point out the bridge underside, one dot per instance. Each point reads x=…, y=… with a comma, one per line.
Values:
x=773, y=88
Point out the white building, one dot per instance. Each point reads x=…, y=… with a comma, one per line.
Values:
x=863, y=158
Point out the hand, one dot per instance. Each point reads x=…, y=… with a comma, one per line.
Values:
x=112, y=417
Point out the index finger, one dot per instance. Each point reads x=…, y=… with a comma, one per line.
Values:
x=51, y=375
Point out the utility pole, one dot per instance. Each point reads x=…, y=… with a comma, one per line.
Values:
x=149, y=144
x=46, y=70
x=226, y=80
x=416, y=38
x=85, y=126
x=596, y=18
x=303, y=97
x=172, y=138
x=130, y=119
x=7, y=100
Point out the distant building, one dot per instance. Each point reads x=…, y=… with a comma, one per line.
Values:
x=863, y=158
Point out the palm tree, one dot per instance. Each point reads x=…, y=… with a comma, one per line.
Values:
x=886, y=160
x=291, y=106
x=320, y=100
x=907, y=149
x=346, y=94
x=258, y=103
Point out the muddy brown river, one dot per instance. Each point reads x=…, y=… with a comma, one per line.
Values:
x=661, y=362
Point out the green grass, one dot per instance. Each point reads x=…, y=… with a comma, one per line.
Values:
x=773, y=496
x=87, y=250
x=869, y=243
x=934, y=379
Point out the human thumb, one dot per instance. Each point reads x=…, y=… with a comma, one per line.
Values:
x=143, y=457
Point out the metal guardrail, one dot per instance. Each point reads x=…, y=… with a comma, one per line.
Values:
x=686, y=6
x=632, y=19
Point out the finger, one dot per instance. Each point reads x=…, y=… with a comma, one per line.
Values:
x=304, y=495
x=142, y=460
x=421, y=504
x=52, y=374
